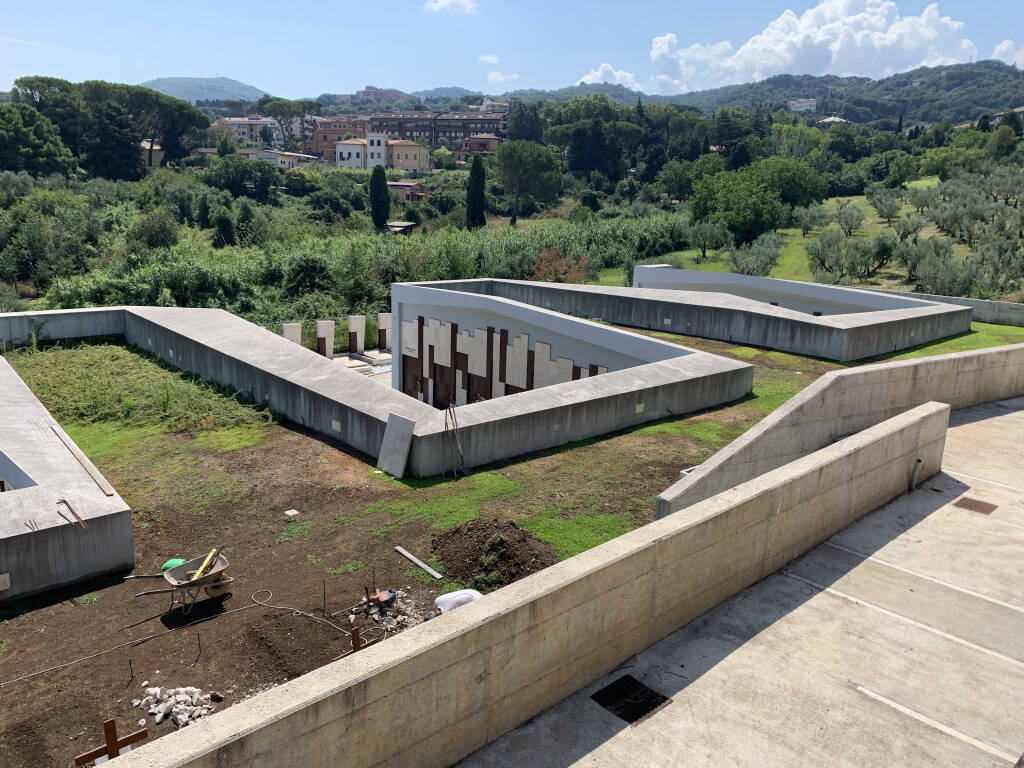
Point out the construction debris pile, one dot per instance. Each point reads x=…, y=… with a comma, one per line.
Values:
x=182, y=705
x=393, y=610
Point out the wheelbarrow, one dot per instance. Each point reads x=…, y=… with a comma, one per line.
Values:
x=185, y=587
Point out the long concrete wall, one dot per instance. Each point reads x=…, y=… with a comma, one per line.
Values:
x=983, y=310
x=738, y=319
x=531, y=421
x=435, y=693
x=842, y=402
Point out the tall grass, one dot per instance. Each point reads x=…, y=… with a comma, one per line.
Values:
x=114, y=384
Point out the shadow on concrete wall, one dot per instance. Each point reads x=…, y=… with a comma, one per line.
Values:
x=688, y=653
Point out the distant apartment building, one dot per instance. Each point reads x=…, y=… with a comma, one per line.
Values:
x=828, y=122
x=282, y=160
x=5, y=96
x=434, y=126
x=494, y=106
x=408, y=156
x=378, y=149
x=478, y=144
x=248, y=128
x=802, y=105
x=277, y=157
x=321, y=134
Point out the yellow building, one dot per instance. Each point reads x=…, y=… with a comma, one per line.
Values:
x=408, y=156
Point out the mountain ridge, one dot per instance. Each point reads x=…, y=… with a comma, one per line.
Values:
x=192, y=89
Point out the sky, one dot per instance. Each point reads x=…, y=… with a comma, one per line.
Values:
x=494, y=46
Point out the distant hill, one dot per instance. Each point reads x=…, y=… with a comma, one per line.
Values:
x=952, y=93
x=193, y=89
x=450, y=92
x=955, y=93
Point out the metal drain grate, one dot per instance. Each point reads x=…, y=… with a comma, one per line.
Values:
x=975, y=505
x=629, y=699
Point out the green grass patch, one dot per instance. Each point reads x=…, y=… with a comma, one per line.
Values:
x=447, y=504
x=570, y=535
x=4, y=645
x=712, y=432
x=90, y=599
x=230, y=438
x=745, y=352
x=294, y=531
x=773, y=387
x=105, y=442
x=792, y=263
x=313, y=560
x=612, y=276
x=349, y=566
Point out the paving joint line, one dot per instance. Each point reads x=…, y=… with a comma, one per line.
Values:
x=905, y=619
x=939, y=726
x=925, y=577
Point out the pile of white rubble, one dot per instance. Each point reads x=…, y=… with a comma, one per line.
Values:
x=182, y=705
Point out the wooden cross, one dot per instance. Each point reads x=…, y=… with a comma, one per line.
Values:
x=113, y=745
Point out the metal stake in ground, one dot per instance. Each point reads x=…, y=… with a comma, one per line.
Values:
x=113, y=745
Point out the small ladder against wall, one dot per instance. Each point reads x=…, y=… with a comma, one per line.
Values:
x=454, y=443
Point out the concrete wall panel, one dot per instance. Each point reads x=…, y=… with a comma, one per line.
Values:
x=842, y=402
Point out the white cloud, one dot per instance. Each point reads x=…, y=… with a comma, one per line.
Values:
x=1009, y=52
x=606, y=73
x=842, y=37
x=16, y=41
x=488, y=58
x=497, y=76
x=454, y=6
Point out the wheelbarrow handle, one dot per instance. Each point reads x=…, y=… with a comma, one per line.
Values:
x=158, y=591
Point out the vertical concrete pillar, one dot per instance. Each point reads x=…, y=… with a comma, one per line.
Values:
x=325, y=337
x=292, y=332
x=356, y=334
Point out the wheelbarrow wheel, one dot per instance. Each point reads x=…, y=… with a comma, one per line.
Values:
x=216, y=590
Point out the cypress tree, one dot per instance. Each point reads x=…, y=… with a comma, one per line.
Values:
x=475, y=205
x=380, y=199
x=899, y=125
x=203, y=216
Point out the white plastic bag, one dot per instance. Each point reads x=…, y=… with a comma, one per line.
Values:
x=449, y=602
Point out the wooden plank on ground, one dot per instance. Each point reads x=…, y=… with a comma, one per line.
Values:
x=412, y=558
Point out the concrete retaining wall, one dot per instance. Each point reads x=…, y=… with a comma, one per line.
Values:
x=985, y=311
x=531, y=421
x=16, y=328
x=842, y=402
x=435, y=693
x=740, y=320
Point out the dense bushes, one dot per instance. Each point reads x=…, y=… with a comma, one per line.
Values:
x=353, y=272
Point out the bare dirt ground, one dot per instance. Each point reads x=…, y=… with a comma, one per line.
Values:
x=48, y=719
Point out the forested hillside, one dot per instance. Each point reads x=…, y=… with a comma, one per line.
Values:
x=954, y=93
x=193, y=89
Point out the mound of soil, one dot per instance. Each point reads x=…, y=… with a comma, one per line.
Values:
x=487, y=554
